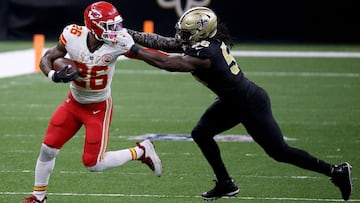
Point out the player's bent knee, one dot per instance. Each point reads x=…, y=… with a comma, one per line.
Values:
x=47, y=153
x=91, y=162
x=202, y=136
x=196, y=134
x=96, y=168
x=279, y=155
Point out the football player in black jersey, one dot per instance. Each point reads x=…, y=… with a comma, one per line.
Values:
x=205, y=43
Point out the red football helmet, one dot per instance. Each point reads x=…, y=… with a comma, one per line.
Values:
x=103, y=20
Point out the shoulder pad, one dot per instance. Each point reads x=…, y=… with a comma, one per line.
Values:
x=71, y=32
x=201, y=49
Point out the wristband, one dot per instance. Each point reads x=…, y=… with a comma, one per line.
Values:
x=51, y=74
x=135, y=49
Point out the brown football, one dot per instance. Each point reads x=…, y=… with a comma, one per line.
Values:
x=60, y=63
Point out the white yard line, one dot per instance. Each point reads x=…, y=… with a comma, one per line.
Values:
x=270, y=73
x=16, y=63
x=297, y=54
x=276, y=199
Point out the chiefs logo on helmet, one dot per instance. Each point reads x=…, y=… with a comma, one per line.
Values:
x=103, y=20
x=94, y=14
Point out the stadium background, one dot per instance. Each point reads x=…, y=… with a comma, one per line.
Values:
x=322, y=113
x=297, y=21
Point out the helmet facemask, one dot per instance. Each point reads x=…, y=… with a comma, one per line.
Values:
x=110, y=29
x=183, y=34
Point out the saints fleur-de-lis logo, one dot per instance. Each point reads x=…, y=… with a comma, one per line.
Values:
x=202, y=23
x=177, y=4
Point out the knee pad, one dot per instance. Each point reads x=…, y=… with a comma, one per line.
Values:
x=47, y=153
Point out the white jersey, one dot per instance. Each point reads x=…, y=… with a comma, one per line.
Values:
x=95, y=69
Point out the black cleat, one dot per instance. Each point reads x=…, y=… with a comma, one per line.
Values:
x=341, y=177
x=221, y=189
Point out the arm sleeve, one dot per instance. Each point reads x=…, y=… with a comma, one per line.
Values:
x=155, y=41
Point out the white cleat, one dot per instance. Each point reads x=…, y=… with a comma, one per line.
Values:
x=150, y=157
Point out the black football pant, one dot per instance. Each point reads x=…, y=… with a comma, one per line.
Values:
x=258, y=120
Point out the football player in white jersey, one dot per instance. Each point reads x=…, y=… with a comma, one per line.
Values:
x=94, y=48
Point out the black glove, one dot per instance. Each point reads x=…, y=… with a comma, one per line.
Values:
x=64, y=76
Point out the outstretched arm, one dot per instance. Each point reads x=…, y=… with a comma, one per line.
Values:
x=155, y=41
x=173, y=63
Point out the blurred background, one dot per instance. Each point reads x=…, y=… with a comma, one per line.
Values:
x=263, y=21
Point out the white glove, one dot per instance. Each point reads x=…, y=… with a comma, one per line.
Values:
x=124, y=39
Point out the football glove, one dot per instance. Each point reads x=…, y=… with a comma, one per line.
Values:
x=64, y=76
x=124, y=39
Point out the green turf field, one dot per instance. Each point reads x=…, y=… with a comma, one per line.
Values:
x=315, y=100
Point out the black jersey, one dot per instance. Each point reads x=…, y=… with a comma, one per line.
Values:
x=224, y=77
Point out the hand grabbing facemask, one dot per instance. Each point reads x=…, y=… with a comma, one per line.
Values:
x=124, y=39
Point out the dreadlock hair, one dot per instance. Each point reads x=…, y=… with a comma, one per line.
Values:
x=223, y=34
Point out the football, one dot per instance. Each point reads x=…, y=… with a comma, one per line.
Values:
x=60, y=63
